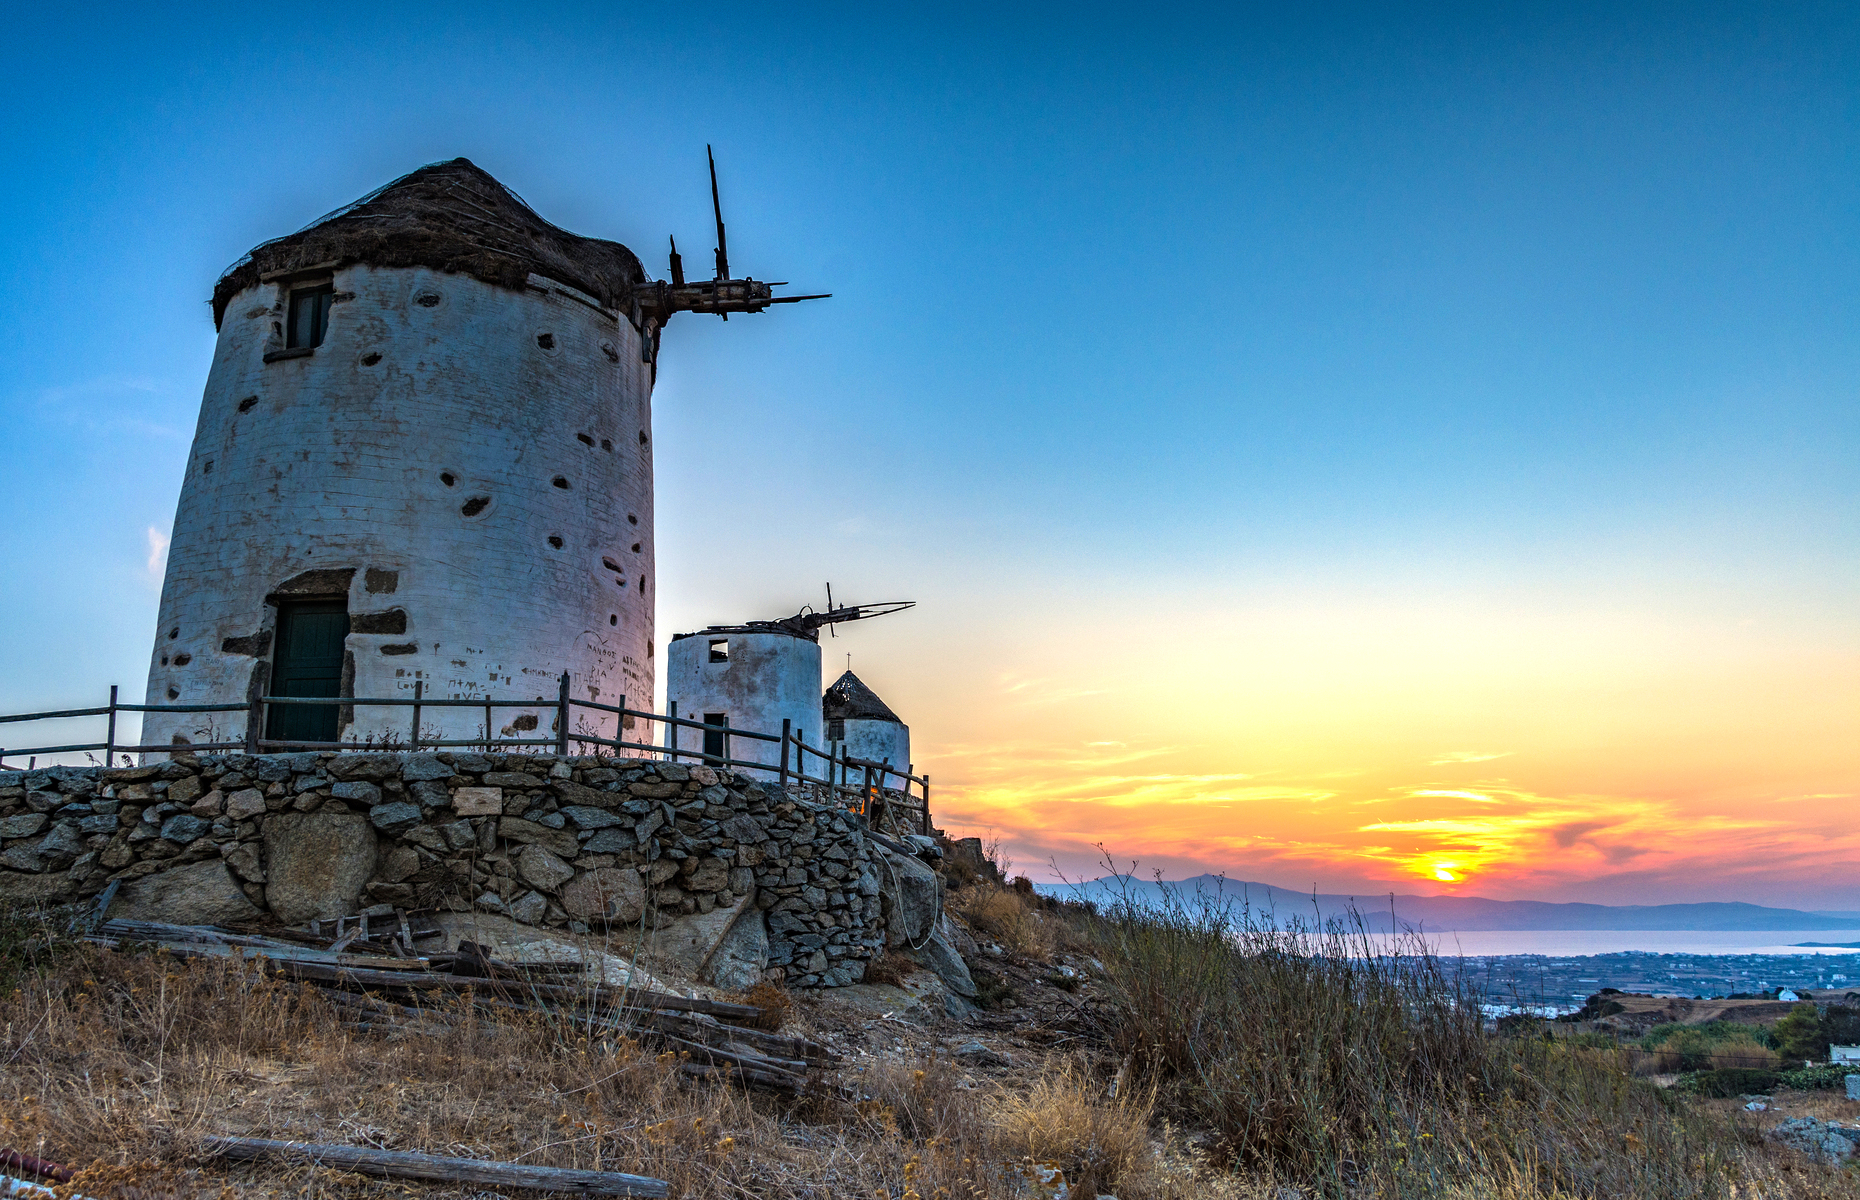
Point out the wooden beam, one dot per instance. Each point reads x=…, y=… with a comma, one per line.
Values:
x=400, y=1164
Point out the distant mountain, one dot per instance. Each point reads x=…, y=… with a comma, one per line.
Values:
x=1445, y=914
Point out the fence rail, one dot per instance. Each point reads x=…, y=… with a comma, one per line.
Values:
x=862, y=784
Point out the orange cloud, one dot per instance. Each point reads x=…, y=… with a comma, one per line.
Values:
x=1057, y=804
x=1578, y=746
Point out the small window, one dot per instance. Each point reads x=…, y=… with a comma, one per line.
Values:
x=719, y=652
x=836, y=729
x=713, y=738
x=309, y=316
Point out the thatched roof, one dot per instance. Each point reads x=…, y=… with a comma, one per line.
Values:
x=850, y=700
x=453, y=217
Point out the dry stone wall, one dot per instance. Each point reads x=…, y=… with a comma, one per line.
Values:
x=577, y=843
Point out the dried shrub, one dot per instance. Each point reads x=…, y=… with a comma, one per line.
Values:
x=959, y=873
x=992, y=990
x=1098, y=1136
x=1010, y=917
x=888, y=969
x=1708, y=1046
x=774, y=1001
x=30, y=937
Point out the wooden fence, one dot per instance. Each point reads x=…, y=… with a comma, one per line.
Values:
x=860, y=784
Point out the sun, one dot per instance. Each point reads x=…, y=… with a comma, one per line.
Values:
x=1438, y=868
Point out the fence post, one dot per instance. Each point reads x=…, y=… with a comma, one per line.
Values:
x=619, y=726
x=927, y=832
x=487, y=726
x=561, y=717
x=109, y=734
x=671, y=729
x=787, y=724
x=254, y=713
x=866, y=801
x=419, y=689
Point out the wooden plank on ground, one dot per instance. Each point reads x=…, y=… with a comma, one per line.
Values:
x=401, y=1164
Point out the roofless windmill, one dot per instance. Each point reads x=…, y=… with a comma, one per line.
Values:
x=760, y=673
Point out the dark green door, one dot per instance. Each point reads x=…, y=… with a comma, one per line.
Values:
x=309, y=663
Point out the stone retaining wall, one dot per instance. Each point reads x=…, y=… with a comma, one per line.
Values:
x=577, y=843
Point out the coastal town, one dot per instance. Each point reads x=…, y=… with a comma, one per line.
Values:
x=1566, y=982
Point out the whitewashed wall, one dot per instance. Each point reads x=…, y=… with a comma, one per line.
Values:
x=769, y=677
x=879, y=741
x=338, y=461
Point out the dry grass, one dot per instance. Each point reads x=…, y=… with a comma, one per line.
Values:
x=119, y=1061
x=1099, y=1136
x=1011, y=917
x=1317, y=1069
x=1324, y=1061
x=774, y=1001
x=889, y=969
x=1668, y=1059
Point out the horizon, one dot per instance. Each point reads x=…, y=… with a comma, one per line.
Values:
x=1244, y=883
x=1383, y=448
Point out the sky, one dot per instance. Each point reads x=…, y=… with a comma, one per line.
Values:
x=1382, y=447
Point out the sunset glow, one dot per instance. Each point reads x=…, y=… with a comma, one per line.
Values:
x=1628, y=773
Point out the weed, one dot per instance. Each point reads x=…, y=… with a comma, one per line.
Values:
x=888, y=969
x=774, y=1001
x=30, y=937
x=1008, y=916
x=1717, y=1044
x=1324, y=1056
x=991, y=990
x=1098, y=1136
x=1727, y=1081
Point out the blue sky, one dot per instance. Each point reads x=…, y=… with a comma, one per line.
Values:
x=1146, y=323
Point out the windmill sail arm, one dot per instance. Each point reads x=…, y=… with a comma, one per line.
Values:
x=658, y=300
x=806, y=624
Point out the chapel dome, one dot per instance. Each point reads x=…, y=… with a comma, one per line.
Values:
x=849, y=699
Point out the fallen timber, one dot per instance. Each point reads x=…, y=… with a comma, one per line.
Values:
x=401, y=1164
x=19, y=1160
x=384, y=995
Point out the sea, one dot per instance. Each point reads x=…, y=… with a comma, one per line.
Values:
x=1572, y=943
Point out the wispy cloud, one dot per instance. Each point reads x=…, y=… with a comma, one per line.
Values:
x=109, y=405
x=1468, y=756
x=1447, y=794
x=158, y=554
x=1043, y=691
